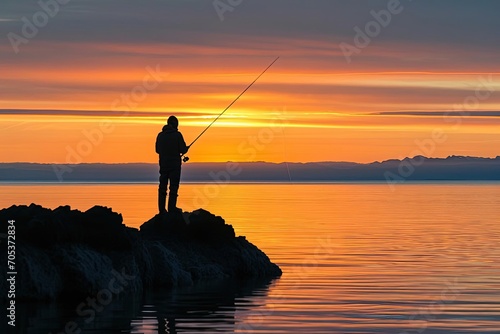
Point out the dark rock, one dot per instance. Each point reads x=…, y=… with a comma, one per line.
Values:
x=199, y=225
x=64, y=253
x=205, y=226
x=44, y=227
x=165, y=226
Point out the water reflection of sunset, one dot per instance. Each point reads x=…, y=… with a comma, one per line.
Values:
x=354, y=256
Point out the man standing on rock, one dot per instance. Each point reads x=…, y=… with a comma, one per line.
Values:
x=170, y=146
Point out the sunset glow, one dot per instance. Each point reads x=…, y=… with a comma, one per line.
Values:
x=317, y=106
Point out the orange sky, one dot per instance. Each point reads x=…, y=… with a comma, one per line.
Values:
x=310, y=106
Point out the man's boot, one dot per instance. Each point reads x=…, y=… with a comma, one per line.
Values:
x=162, y=200
x=172, y=203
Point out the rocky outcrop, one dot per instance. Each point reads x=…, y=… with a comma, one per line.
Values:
x=65, y=253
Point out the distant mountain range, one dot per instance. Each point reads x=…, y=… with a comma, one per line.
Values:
x=418, y=168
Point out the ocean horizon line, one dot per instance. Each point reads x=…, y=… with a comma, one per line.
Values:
x=379, y=161
x=276, y=182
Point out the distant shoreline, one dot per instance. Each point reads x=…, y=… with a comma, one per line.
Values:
x=419, y=168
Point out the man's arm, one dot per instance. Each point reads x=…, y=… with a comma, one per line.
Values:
x=157, y=146
x=182, y=144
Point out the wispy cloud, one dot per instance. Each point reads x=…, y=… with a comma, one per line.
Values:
x=440, y=113
x=92, y=113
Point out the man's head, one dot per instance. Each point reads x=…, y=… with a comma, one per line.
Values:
x=173, y=122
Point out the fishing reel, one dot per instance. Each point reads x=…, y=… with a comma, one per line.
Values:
x=185, y=158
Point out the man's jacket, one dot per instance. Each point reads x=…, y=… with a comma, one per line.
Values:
x=170, y=145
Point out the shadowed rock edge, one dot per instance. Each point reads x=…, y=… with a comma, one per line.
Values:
x=65, y=253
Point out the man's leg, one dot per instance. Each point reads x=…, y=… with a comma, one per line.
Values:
x=162, y=192
x=175, y=179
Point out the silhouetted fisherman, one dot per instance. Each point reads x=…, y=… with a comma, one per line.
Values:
x=170, y=145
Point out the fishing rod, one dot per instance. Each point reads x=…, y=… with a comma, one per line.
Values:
x=185, y=159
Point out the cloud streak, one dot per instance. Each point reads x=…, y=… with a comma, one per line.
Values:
x=91, y=113
x=440, y=113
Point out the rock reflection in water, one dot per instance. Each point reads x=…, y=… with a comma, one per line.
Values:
x=204, y=308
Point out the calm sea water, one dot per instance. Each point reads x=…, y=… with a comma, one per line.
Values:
x=357, y=258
